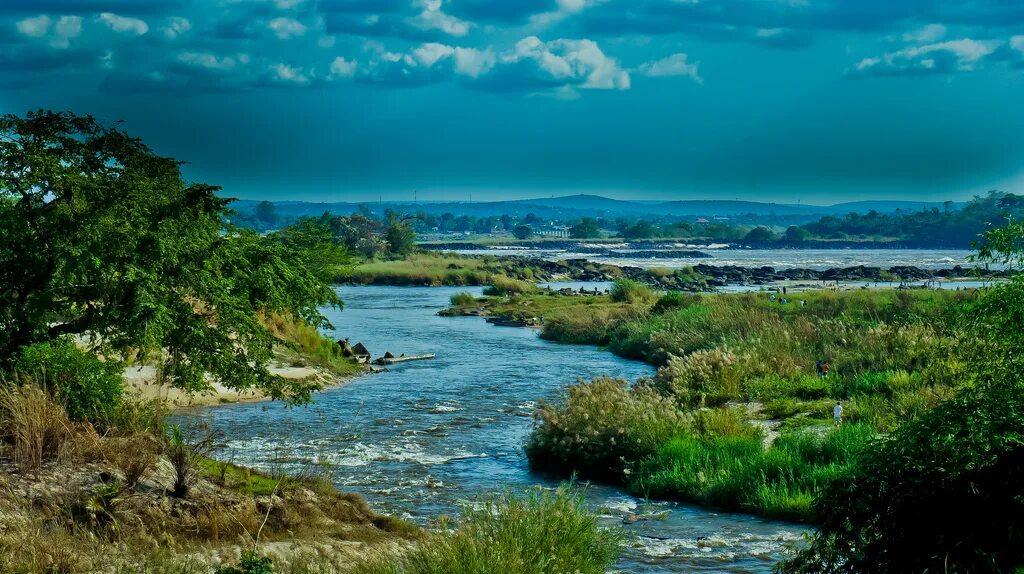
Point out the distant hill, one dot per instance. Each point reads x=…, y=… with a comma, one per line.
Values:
x=582, y=205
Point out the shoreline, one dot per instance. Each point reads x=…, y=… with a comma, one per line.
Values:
x=142, y=380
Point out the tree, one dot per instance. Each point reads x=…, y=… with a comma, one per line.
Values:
x=759, y=234
x=796, y=233
x=587, y=227
x=126, y=256
x=522, y=231
x=400, y=237
x=266, y=213
x=640, y=230
x=531, y=219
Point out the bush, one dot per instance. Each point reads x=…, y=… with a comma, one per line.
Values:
x=630, y=291
x=540, y=533
x=249, y=563
x=941, y=493
x=600, y=425
x=698, y=379
x=675, y=300
x=502, y=286
x=463, y=299
x=88, y=388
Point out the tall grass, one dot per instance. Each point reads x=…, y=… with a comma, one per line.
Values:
x=422, y=269
x=34, y=427
x=542, y=532
x=738, y=473
x=630, y=291
x=503, y=286
x=308, y=345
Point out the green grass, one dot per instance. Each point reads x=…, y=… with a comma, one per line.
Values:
x=302, y=344
x=736, y=473
x=541, y=532
x=428, y=268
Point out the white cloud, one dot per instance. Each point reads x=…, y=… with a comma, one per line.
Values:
x=60, y=32
x=67, y=27
x=36, y=27
x=208, y=61
x=565, y=9
x=289, y=74
x=925, y=34
x=286, y=28
x=176, y=26
x=430, y=53
x=124, y=24
x=326, y=41
x=578, y=62
x=1017, y=43
x=342, y=68
x=962, y=55
x=674, y=65
x=287, y=4
x=431, y=17
x=473, y=63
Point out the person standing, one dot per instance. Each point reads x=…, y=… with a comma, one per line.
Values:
x=837, y=414
x=824, y=370
x=821, y=370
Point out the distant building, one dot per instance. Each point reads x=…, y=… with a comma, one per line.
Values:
x=702, y=221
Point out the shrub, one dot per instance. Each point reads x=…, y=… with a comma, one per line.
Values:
x=725, y=423
x=630, y=291
x=463, y=299
x=502, y=286
x=675, y=300
x=186, y=457
x=698, y=379
x=88, y=388
x=600, y=425
x=540, y=533
x=250, y=563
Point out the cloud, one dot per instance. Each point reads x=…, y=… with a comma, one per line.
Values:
x=175, y=26
x=952, y=56
x=124, y=24
x=342, y=68
x=286, y=74
x=472, y=62
x=674, y=65
x=432, y=18
x=925, y=34
x=63, y=29
x=35, y=27
x=505, y=11
x=286, y=28
x=210, y=61
x=578, y=63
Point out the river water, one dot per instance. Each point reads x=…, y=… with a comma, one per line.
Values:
x=778, y=258
x=429, y=436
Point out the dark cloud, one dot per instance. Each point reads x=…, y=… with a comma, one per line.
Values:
x=133, y=7
x=515, y=11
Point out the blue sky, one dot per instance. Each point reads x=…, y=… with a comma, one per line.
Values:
x=338, y=100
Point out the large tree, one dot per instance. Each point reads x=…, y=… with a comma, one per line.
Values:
x=102, y=239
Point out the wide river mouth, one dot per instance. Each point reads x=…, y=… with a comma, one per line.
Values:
x=429, y=436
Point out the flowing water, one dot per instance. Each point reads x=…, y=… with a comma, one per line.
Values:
x=429, y=436
x=777, y=258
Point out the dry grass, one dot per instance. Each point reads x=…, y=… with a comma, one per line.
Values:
x=34, y=427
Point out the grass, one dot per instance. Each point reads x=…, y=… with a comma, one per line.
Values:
x=502, y=286
x=432, y=268
x=303, y=344
x=737, y=473
x=892, y=358
x=541, y=532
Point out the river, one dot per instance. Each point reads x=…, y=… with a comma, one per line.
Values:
x=429, y=436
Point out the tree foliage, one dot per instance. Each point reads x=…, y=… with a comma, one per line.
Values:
x=103, y=239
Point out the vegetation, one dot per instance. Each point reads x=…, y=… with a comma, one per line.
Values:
x=943, y=492
x=891, y=354
x=539, y=533
x=128, y=257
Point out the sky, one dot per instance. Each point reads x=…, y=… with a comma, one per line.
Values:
x=816, y=101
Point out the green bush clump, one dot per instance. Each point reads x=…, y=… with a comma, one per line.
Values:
x=88, y=388
x=542, y=532
x=599, y=425
x=631, y=291
x=463, y=299
x=502, y=286
x=675, y=300
x=701, y=378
